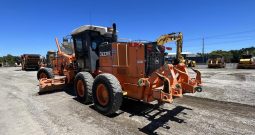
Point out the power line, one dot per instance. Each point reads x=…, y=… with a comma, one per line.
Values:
x=217, y=43
x=222, y=35
x=235, y=37
x=226, y=38
x=235, y=33
x=227, y=41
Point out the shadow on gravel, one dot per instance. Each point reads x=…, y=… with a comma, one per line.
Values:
x=168, y=115
x=157, y=115
x=69, y=90
x=28, y=70
x=49, y=92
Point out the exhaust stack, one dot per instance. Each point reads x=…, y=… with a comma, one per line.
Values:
x=114, y=33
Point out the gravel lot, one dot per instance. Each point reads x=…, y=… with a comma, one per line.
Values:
x=228, y=84
x=226, y=106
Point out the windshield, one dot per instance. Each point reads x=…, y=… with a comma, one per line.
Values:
x=67, y=49
x=67, y=46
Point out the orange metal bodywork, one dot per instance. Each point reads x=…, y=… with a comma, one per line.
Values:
x=189, y=85
x=62, y=66
x=127, y=63
x=50, y=84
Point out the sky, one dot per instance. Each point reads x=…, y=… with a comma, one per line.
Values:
x=30, y=26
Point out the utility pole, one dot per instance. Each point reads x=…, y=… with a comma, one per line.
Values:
x=203, y=49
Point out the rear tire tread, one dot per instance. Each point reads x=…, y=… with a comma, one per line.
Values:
x=47, y=71
x=88, y=80
x=114, y=88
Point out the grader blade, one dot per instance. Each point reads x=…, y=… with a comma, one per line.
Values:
x=46, y=85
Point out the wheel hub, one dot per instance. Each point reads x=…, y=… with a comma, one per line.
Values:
x=80, y=88
x=102, y=94
x=43, y=75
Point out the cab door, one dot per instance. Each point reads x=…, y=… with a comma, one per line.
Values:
x=86, y=50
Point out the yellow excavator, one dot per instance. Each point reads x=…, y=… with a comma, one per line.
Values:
x=178, y=37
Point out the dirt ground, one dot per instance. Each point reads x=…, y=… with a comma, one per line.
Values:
x=216, y=110
x=228, y=84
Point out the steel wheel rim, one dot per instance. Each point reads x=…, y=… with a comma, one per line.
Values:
x=102, y=94
x=80, y=88
x=42, y=75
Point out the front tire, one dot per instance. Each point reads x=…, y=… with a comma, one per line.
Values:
x=45, y=73
x=107, y=94
x=83, y=87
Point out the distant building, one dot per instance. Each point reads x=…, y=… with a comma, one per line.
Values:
x=186, y=55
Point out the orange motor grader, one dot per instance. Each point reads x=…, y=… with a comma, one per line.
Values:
x=59, y=69
x=103, y=70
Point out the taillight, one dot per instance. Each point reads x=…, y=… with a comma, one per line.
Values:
x=135, y=44
x=168, y=48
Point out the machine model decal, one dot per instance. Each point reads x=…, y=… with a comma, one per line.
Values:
x=139, y=61
x=105, y=53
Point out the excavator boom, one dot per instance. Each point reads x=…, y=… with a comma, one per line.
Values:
x=188, y=84
x=162, y=40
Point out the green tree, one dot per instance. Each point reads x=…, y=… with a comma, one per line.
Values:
x=9, y=59
x=1, y=60
x=250, y=50
x=220, y=53
x=236, y=55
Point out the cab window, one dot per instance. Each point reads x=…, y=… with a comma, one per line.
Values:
x=78, y=42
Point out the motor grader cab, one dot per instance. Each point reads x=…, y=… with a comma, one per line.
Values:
x=87, y=44
x=50, y=56
x=105, y=70
x=247, y=61
x=216, y=61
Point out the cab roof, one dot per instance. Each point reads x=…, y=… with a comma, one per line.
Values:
x=101, y=29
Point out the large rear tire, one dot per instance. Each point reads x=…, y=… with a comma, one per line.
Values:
x=107, y=94
x=83, y=87
x=45, y=73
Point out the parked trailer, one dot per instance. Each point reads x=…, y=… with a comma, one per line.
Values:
x=30, y=61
